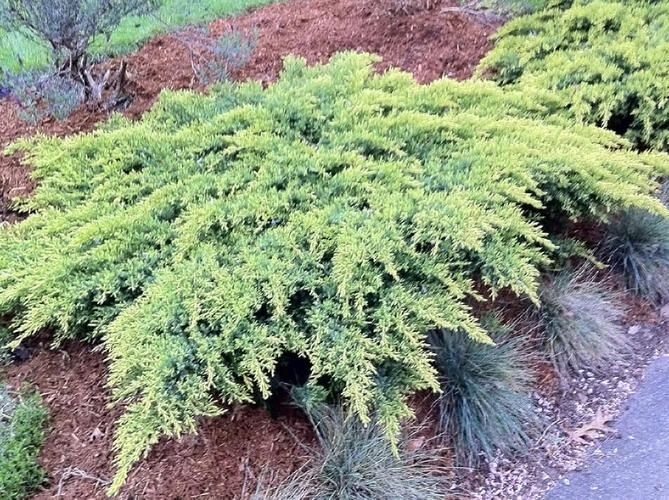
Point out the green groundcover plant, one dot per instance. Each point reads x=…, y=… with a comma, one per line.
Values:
x=337, y=215
x=511, y=7
x=22, y=422
x=608, y=61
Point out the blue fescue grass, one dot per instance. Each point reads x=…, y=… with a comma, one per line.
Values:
x=129, y=35
x=637, y=246
x=579, y=321
x=485, y=405
x=353, y=461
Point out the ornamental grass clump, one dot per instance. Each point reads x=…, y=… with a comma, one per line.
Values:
x=608, y=61
x=485, y=404
x=337, y=216
x=352, y=461
x=580, y=323
x=637, y=246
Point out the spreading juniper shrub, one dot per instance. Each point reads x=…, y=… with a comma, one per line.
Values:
x=338, y=215
x=607, y=60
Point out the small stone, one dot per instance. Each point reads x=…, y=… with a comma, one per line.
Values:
x=634, y=329
x=566, y=481
x=665, y=311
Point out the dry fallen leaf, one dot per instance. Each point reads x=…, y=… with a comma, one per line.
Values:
x=415, y=444
x=593, y=429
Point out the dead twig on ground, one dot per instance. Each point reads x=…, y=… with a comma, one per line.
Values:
x=474, y=9
x=76, y=472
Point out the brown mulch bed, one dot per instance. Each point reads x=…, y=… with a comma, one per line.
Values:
x=226, y=452
x=428, y=43
x=234, y=448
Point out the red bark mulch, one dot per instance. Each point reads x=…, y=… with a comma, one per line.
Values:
x=428, y=43
x=216, y=462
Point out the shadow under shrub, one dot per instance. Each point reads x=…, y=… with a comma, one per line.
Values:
x=337, y=214
x=22, y=422
x=485, y=405
x=356, y=462
x=580, y=323
x=607, y=60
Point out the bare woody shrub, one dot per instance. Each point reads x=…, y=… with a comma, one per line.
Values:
x=67, y=28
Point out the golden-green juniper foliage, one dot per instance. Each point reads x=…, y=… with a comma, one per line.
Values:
x=607, y=60
x=338, y=214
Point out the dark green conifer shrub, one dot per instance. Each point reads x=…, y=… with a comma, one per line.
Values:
x=485, y=405
x=337, y=215
x=22, y=422
x=356, y=462
x=579, y=322
x=608, y=61
x=637, y=246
